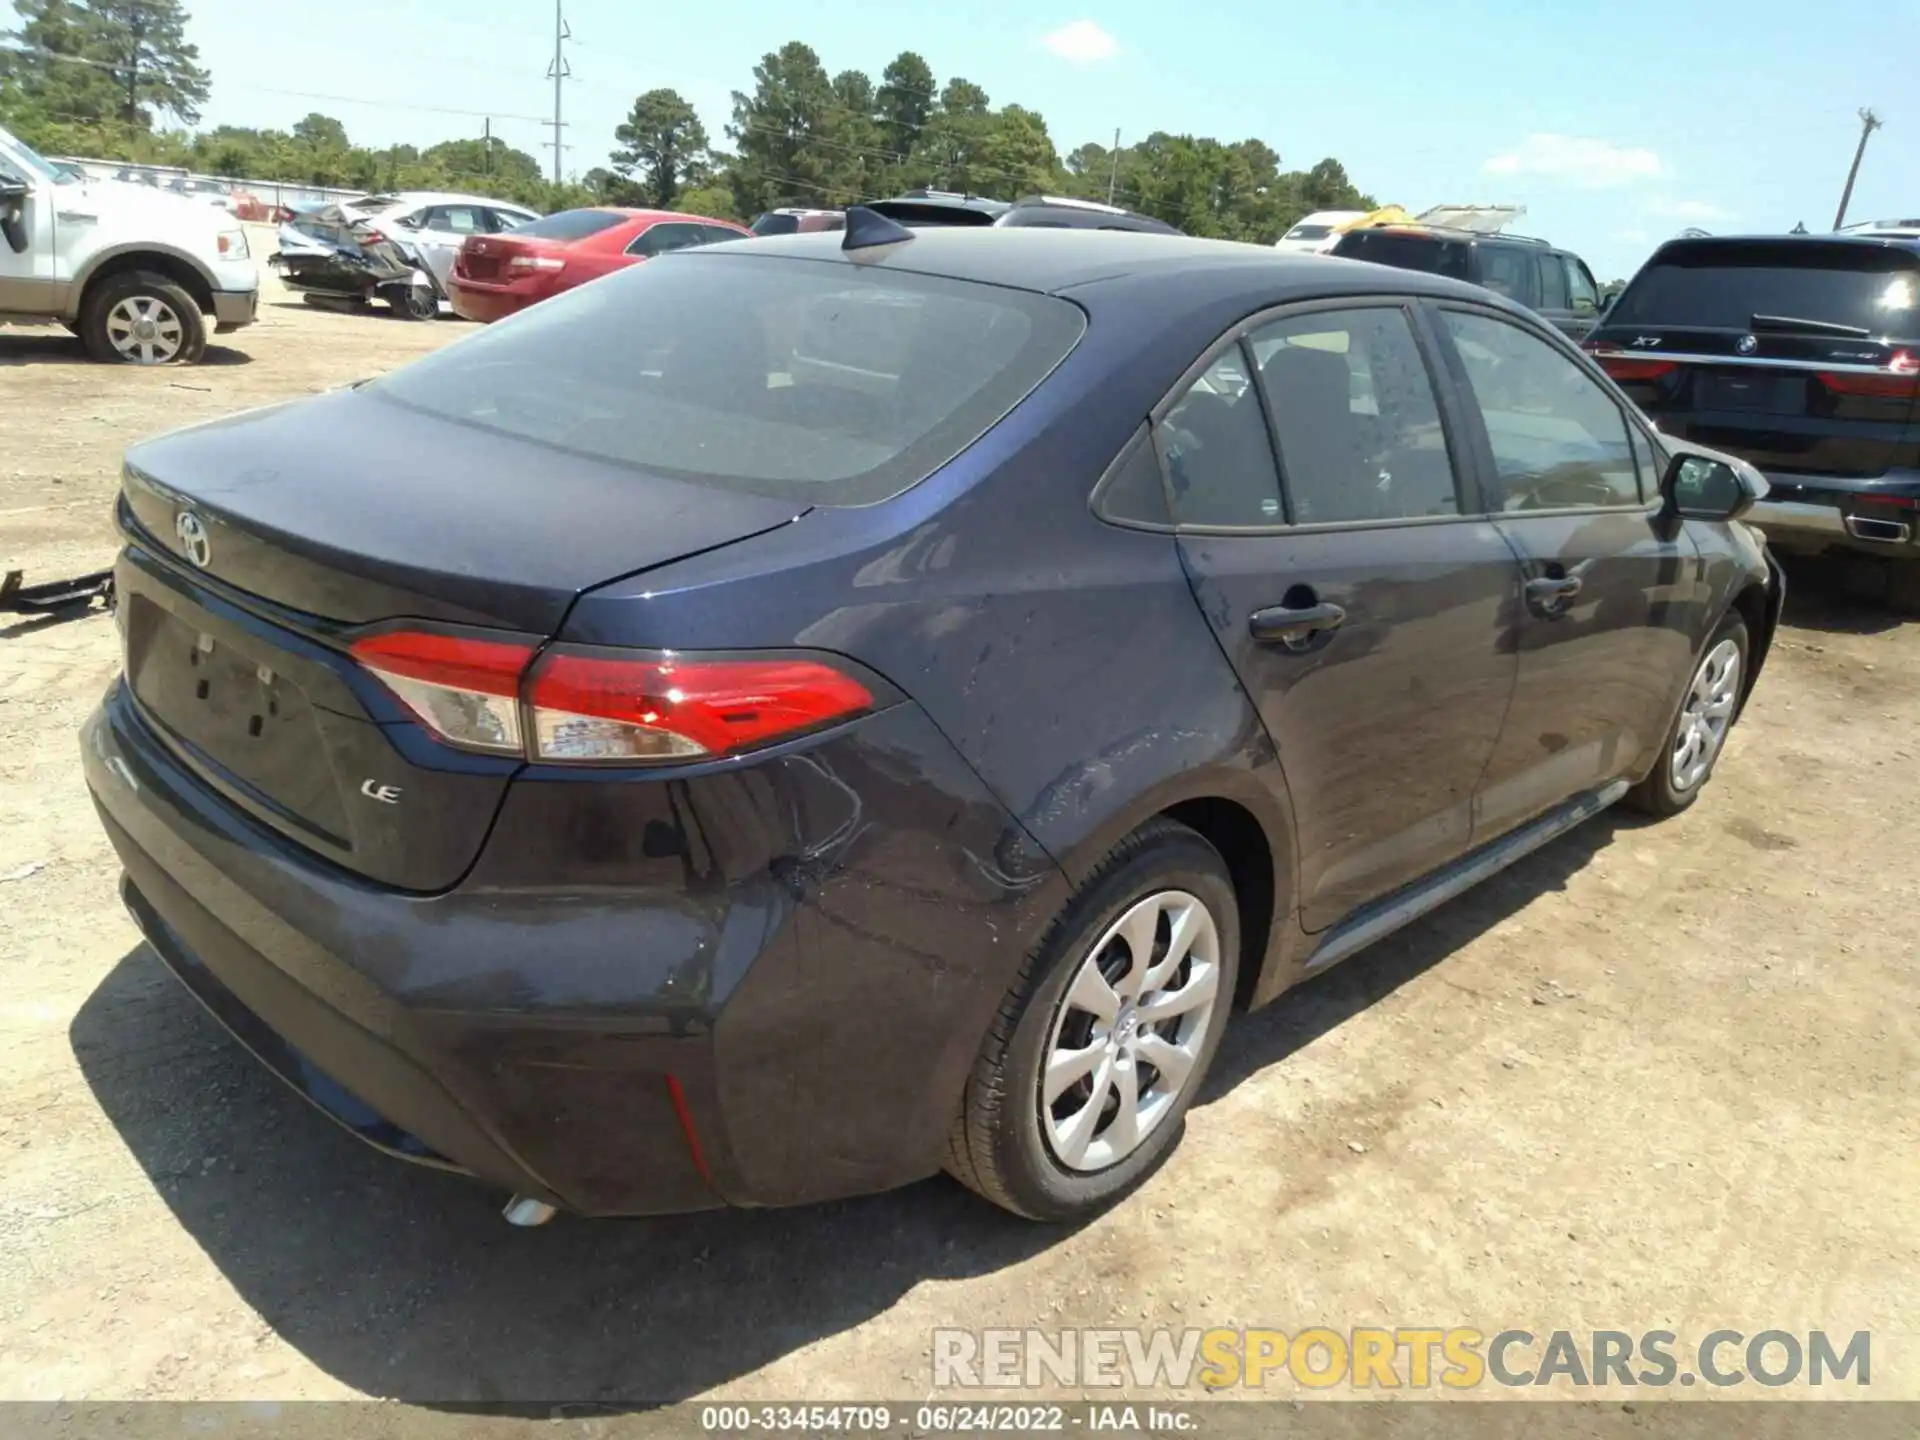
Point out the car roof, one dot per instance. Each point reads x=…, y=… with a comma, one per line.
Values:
x=1052, y=261
x=1809, y=243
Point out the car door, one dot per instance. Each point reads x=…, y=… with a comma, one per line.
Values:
x=1608, y=584
x=1366, y=602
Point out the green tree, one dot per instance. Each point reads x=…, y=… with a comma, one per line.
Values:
x=904, y=102
x=322, y=132
x=58, y=78
x=663, y=147
x=715, y=201
x=785, y=135
x=1017, y=154
x=153, y=66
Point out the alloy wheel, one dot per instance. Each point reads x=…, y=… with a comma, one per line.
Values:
x=1707, y=716
x=145, y=330
x=1130, y=1030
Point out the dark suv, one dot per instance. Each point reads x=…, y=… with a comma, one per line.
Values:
x=1802, y=356
x=1554, y=284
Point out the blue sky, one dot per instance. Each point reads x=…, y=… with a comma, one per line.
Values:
x=1616, y=125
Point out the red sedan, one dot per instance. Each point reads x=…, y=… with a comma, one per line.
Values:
x=496, y=275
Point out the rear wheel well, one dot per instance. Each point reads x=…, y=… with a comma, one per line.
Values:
x=1242, y=842
x=155, y=262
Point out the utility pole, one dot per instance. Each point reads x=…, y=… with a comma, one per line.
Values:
x=1113, y=170
x=558, y=72
x=486, y=148
x=1869, y=122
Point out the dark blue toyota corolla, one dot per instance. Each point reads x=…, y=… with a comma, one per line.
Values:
x=804, y=713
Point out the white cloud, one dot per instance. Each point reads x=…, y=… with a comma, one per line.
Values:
x=1577, y=160
x=1082, y=43
x=1687, y=210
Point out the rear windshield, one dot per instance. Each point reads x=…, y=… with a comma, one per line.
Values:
x=776, y=225
x=569, y=225
x=1309, y=232
x=825, y=383
x=1405, y=252
x=1724, y=286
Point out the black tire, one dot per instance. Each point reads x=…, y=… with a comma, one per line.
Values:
x=1661, y=794
x=97, y=312
x=996, y=1147
x=415, y=302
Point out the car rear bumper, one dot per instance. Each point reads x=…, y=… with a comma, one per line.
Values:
x=486, y=303
x=791, y=1018
x=1809, y=514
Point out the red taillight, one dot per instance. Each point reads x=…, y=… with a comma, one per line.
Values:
x=372, y=237
x=1899, y=381
x=466, y=691
x=536, y=262
x=1632, y=367
x=604, y=706
x=600, y=706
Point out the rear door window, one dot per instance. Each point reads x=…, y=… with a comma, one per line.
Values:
x=668, y=235
x=1353, y=405
x=1553, y=282
x=1217, y=452
x=457, y=219
x=823, y=383
x=1724, y=285
x=1558, y=440
x=1509, y=270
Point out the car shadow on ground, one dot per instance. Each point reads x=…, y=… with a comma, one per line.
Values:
x=1269, y=1035
x=1838, y=594
x=407, y=1284
x=55, y=346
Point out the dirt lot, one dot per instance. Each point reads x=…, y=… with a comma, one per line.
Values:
x=1654, y=1077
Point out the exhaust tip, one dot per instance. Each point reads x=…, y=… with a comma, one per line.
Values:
x=527, y=1212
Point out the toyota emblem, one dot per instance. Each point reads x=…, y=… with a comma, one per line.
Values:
x=1746, y=345
x=193, y=539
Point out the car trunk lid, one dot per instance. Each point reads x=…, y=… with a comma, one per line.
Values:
x=255, y=557
x=492, y=257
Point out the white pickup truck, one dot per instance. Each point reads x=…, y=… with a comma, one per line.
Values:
x=136, y=273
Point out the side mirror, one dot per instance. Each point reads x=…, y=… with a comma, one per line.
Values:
x=1705, y=487
x=13, y=194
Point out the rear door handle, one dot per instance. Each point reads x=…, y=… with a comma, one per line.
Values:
x=1294, y=627
x=76, y=217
